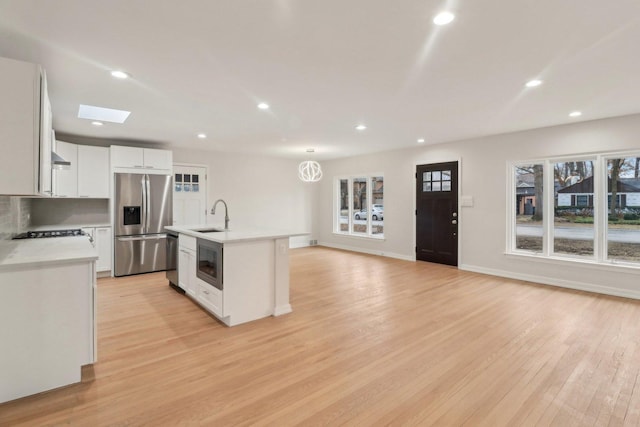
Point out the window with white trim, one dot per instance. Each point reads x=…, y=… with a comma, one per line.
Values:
x=578, y=207
x=359, y=205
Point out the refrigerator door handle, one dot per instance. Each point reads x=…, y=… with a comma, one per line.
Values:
x=148, y=193
x=143, y=220
x=129, y=239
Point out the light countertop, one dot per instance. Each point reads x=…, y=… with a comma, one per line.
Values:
x=232, y=235
x=47, y=250
x=64, y=227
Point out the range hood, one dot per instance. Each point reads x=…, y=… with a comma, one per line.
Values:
x=58, y=162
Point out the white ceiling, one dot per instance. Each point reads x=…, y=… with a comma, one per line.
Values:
x=326, y=65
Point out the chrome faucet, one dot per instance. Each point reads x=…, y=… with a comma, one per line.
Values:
x=226, y=214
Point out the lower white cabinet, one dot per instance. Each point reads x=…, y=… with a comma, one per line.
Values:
x=102, y=239
x=211, y=298
x=47, y=326
x=187, y=265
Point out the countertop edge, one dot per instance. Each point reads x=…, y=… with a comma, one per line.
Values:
x=232, y=236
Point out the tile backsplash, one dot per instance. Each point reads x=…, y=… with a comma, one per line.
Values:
x=15, y=216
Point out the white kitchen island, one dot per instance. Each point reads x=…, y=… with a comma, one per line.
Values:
x=47, y=313
x=255, y=272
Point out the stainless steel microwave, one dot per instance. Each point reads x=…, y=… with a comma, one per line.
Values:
x=209, y=262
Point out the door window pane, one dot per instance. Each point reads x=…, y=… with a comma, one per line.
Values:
x=446, y=175
x=623, y=225
x=435, y=186
x=426, y=186
x=446, y=185
x=529, y=198
x=359, y=205
x=573, y=228
x=377, y=207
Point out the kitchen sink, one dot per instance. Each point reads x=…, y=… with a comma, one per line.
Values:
x=207, y=230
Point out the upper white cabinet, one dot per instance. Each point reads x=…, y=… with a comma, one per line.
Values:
x=66, y=180
x=148, y=159
x=88, y=175
x=25, y=129
x=93, y=171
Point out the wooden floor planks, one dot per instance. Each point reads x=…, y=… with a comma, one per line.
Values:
x=371, y=341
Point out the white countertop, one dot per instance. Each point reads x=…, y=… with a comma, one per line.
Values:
x=232, y=235
x=64, y=227
x=53, y=249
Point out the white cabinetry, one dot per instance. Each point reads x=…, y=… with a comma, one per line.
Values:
x=93, y=171
x=88, y=175
x=47, y=326
x=25, y=129
x=66, y=180
x=148, y=159
x=102, y=239
x=187, y=265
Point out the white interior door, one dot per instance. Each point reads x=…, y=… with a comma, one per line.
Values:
x=189, y=195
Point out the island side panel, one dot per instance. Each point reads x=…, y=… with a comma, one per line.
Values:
x=46, y=324
x=282, y=305
x=248, y=278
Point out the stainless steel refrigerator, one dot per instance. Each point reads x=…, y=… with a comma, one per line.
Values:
x=143, y=207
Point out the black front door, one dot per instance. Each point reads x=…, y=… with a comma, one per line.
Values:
x=437, y=213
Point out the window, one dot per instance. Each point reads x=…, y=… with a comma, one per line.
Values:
x=529, y=212
x=593, y=211
x=360, y=206
x=623, y=216
x=573, y=226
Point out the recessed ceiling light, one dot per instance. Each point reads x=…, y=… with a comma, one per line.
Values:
x=533, y=83
x=443, y=18
x=97, y=123
x=263, y=106
x=575, y=114
x=92, y=112
x=361, y=127
x=202, y=135
x=421, y=141
x=119, y=74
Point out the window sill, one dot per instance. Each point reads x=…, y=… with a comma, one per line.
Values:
x=360, y=236
x=590, y=263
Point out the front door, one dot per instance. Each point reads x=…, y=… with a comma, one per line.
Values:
x=189, y=195
x=437, y=213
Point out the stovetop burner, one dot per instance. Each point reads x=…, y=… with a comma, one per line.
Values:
x=50, y=233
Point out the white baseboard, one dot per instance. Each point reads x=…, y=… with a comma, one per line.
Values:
x=282, y=309
x=367, y=251
x=295, y=245
x=580, y=286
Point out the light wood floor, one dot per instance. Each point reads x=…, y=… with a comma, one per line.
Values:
x=371, y=341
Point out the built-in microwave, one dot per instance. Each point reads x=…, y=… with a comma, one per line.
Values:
x=209, y=262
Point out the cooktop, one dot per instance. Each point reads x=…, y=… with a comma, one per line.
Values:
x=50, y=233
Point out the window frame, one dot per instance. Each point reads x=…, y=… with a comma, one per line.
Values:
x=368, y=177
x=600, y=207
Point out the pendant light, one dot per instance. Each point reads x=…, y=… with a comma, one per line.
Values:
x=310, y=170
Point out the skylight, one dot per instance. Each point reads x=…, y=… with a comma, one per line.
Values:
x=91, y=112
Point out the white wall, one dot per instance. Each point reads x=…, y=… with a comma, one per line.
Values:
x=260, y=191
x=483, y=175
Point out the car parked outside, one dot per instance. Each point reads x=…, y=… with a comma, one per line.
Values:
x=377, y=213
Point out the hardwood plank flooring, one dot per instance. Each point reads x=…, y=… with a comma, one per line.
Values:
x=371, y=341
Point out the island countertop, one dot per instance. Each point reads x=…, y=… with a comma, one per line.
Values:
x=50, y=250
x=232, y=235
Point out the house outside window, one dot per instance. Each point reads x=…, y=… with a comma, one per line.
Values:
x=592, y=214
x=359, y=205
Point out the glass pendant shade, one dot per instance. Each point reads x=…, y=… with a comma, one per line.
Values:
x=310, y=171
